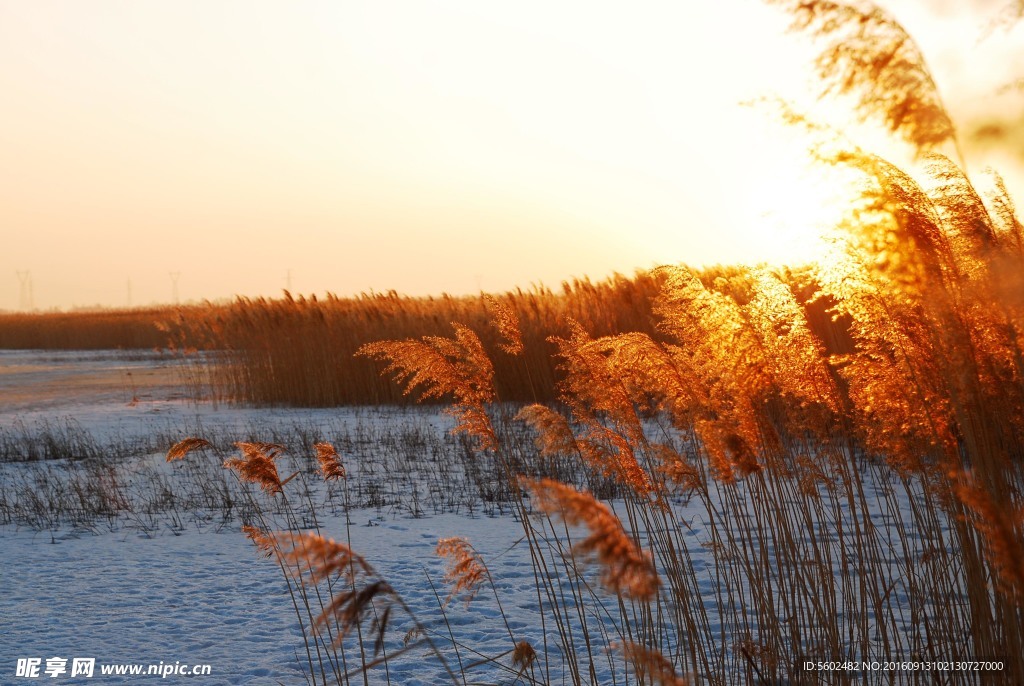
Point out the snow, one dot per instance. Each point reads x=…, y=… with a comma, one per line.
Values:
x=174, y=580
x=142, y=591
x=205, y=597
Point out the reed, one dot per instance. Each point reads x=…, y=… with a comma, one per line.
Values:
x=300, y=351
x=99, y=329
x=736, y=404
x=770, y=398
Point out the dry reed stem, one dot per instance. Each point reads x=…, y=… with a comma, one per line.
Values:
x=256, y=466
x=465, y=570
x=626, y=570
x=331, y=467
x=183, y=447
x=506, y=321
x=650, y=665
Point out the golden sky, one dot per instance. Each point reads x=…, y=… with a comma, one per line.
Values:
x=455, y=145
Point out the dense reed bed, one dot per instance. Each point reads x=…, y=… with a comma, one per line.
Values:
x=98, y=329
x=862, y=506
x=300, y=351
x=775, y=436
x=859, y=479
x=862, y=497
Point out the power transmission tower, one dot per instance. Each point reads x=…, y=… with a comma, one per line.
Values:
x=25, y=300
x=174, y=285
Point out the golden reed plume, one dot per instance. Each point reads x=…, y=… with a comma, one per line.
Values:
x=867, y=53
x=506, y=321
x=317, y=559
x=651, y=666
x=313, y=559
x=603, y=449
x=257, y=465
x=465, y=570
x=523, y=656
x=554, y=435
x=260, y=449
x=264, y=541
x=183, y=447
x=612, y=454
x=626, y=570
x=331, y=467
x=437, y=367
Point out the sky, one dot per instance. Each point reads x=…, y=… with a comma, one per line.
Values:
x=188, y=150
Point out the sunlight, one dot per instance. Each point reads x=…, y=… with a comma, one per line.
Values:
x=790, y=205
x=773, y=202
x=546, y=141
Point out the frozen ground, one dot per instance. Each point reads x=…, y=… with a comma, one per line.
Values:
x=149, y=566
x=205, y=598
x=176, y=587
x=33, y=380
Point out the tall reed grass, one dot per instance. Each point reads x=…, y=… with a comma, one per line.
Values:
x=850, y=434
x=99, y=329
x=861, y=502
x=300, y=351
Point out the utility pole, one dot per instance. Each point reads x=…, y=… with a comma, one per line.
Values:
x=174, y=286
x=25, y=300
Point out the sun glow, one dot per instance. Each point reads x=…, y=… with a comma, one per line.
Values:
x=774, y=202
x=790, y=207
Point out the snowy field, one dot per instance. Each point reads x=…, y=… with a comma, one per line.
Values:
x=181, y=584
x=111, y=553
x=188, y=587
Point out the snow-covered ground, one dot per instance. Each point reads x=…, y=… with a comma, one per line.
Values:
x=179, y=588
x=111, y=553
x=205, y=597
